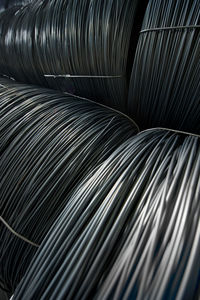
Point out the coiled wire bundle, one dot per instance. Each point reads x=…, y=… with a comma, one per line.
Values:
x=160, y=258
x=130, y=230
x=77, y=46
x=165, y=83
x=49, y=143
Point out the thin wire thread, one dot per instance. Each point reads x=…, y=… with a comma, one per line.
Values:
x=170, y=28
x=172, y=130
x=17, y=234
x=110, y=108
x=81, y=76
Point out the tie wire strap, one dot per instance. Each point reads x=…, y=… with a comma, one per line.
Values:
x=17, y=234
x=190, y=27
x=172, y=130
x=81, y=76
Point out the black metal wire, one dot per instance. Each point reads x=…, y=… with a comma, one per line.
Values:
x=84, y=44
x=130, y=230
x=49, y=143
x=165, y=82
x=11, y=3
x=160, y=258
x=5, y=4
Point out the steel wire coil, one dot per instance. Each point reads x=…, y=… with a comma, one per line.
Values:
x=165, y=82
x=77, y=46
x=131, y=230
x=49, y=143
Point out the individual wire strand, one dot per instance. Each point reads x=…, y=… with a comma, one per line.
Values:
x=17, y=234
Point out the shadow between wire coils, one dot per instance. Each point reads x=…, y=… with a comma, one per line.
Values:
x=77, y=46
x=131, y=229
x=165, y=83
x=50, y=141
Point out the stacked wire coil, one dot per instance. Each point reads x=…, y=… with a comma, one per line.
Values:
x=49, y=142
x=91, y=208
x=131, y=230
x=165, y=83
x=77, y=46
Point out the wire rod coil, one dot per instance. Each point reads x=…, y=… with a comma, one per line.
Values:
x=130, y=230
x=165, y=82
x=49, y=143
x=77, y=46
